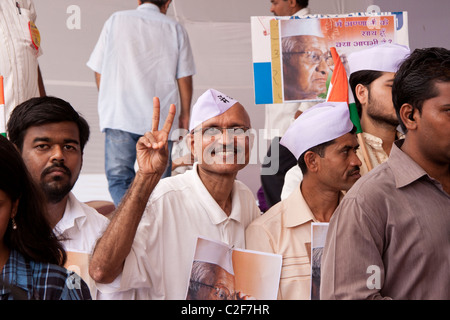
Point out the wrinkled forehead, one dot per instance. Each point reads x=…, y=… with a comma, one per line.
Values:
x=309, y=43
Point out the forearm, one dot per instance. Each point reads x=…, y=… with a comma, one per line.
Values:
x=41, y=86
x=114, y=246
x=98, y=77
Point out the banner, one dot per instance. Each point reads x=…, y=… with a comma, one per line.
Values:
x=291, y=55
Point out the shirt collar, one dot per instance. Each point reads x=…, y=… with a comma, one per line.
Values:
x=214, y=211
x=73, y=213
x=373, y=141
x=302, y=12
x=404, y=169
x=298, y=211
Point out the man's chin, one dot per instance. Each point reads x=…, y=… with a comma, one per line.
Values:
x=56, y=194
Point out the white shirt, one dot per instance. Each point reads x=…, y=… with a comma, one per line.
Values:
x=140, y=54
x=81, y=226
x=18, y=54
x=179, y=210
x=291, y=180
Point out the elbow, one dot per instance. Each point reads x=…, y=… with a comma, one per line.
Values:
x=100, y=275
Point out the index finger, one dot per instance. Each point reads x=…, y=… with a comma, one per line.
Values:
x=155, y=117
x=169, y=120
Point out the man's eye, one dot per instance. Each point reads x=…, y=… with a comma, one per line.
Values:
x=212, y=131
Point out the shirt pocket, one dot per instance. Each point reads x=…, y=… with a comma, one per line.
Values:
x=30, y=33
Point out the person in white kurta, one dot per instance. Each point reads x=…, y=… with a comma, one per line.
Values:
x=148, y=248
x=19, y=52
x=179, y=210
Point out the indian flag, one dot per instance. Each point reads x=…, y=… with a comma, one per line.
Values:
x=2, y=109
x=339, y=89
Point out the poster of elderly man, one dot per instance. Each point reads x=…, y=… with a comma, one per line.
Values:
x=291, y=55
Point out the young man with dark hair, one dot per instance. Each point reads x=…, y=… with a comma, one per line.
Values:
x=389, y=237
x=51, y=137
x=371, y=76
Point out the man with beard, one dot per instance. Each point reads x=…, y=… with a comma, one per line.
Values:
x=371, y=74
x=150, y=244
x=51, y=137
x=323, y=140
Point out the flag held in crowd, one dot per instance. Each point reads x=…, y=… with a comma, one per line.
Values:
x=2, y=109
x=339, y=91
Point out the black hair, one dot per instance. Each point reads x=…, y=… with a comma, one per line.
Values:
x=33, y=237
x=303, y=3
x=158, y=3
x=415, y=80
x=364, y=77
x=40, y=111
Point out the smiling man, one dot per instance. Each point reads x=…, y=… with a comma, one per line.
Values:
x=150, y=243
x=324, y=142
x=51, y=137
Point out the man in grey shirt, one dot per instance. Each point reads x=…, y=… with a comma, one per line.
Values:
x=390, y=236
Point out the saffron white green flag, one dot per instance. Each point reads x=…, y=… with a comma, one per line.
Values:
x=339, y=89
x=2, y=109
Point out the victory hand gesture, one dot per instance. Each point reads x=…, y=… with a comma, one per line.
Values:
x=151, y=148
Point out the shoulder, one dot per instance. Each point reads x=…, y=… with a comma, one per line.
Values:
x=270, y=218
x=368, y=200
x=172, y=186
x=374, y=184
x=92, y=215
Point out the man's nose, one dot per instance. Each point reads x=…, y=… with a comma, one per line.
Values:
x=57, y=154
x=322, y=66
x=355, y=161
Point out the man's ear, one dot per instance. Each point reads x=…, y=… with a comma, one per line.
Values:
x=190, y=142
x=409, y=115
x=362, y=93
x=311, y=161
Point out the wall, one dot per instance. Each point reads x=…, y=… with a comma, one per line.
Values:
x=220, y=37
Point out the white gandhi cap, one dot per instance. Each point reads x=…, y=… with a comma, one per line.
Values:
x=209, y=105
x=321, y=123
x=214, y=252
x=385, y=57
x=301, y=27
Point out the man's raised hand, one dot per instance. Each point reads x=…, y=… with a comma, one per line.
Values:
x=151, y=148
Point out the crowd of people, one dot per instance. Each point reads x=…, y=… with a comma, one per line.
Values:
x=387, y=207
